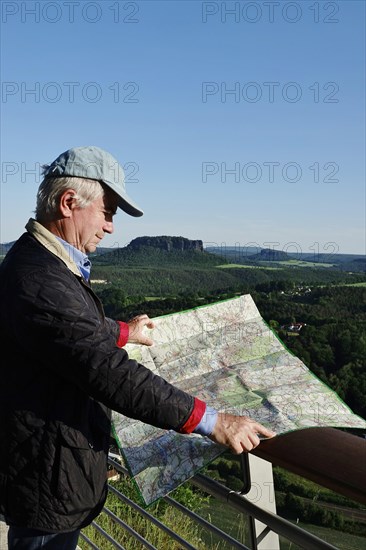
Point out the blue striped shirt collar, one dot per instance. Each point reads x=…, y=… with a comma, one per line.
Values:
x=81, y=260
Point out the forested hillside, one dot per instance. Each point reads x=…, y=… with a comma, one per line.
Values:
x=330, y=305
x=333, y=341
x=159, y=275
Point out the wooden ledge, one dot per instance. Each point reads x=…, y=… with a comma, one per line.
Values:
x=328, y=456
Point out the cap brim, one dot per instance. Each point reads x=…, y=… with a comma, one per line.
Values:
x=128, y=206
x=124, y=202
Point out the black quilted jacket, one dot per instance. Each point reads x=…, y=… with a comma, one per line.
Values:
x=60, y=374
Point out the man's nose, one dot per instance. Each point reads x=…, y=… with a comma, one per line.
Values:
x=108, y=227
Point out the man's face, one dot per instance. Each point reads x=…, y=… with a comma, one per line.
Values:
x=91, y=223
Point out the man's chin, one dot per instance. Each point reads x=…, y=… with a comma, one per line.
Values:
x=90, y=247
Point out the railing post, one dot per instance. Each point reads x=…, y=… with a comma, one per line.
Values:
x=263, y=495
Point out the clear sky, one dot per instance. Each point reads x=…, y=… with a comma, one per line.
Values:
x=237, y=122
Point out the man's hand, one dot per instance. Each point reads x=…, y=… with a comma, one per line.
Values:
x=136, y=326
x=239, y=433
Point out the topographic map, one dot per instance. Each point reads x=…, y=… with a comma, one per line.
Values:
x=225, y=354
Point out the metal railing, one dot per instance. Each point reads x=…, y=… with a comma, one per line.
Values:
x=236, y=500
x=172, y=534
x=319, y=454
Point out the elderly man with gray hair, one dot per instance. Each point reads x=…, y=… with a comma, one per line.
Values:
x=67, y=366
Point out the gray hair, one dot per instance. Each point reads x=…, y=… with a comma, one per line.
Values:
x=51, y=189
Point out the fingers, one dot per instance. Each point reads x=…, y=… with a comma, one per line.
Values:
x=146, y=341
x=136, y=326
x=142, y=321
x=245, y=443
x=262, y=430
x=239, y=433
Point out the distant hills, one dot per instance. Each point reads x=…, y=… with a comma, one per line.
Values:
x=270, y=255
x=166, y=243
x=252, y=255
x=165, y=250
x=161, y=251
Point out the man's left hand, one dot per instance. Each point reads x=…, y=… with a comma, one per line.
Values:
x=136, y=326
x=239, y=433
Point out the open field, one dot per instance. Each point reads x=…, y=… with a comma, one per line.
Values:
x=343, y=541
x=226, y=266
x=279, y=264
x=301, y=263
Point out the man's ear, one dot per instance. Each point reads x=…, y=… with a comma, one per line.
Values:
x=67, y=202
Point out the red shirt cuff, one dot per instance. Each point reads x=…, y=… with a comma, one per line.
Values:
x=123, y=334
x=195, y=418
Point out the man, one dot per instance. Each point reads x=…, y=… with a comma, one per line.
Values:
x=66, y=366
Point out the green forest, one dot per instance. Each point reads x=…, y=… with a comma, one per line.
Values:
x=330, y=303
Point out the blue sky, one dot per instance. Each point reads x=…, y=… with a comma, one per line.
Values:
x=237, y=122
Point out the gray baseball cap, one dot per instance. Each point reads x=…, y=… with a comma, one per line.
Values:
x=94, y=163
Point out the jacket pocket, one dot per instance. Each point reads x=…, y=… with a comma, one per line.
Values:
x=82, y=471
x=74, y=438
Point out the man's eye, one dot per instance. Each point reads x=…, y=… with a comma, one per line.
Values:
x=108, y=213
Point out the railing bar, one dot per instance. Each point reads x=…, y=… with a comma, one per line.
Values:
x=245, y=470
x=108, y=537
x=189, y=513
x=159, y=524
x=119, y=466
x=184, y=510
x=276, y=523
x=152, y=519
x=252, y=533
x=206, y=524
x=263, y=534
x=129, y=529
x=89, y=541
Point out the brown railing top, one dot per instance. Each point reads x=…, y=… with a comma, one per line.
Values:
x=328, y=456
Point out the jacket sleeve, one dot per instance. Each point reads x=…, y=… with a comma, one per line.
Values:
x=61, y=326
x=123, y=334
x=120, y=329
x=195, y=417
x=199, y=407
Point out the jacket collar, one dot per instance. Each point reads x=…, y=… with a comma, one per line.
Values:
x=49, y=241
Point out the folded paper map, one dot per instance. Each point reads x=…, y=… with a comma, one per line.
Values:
x=225, y=354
